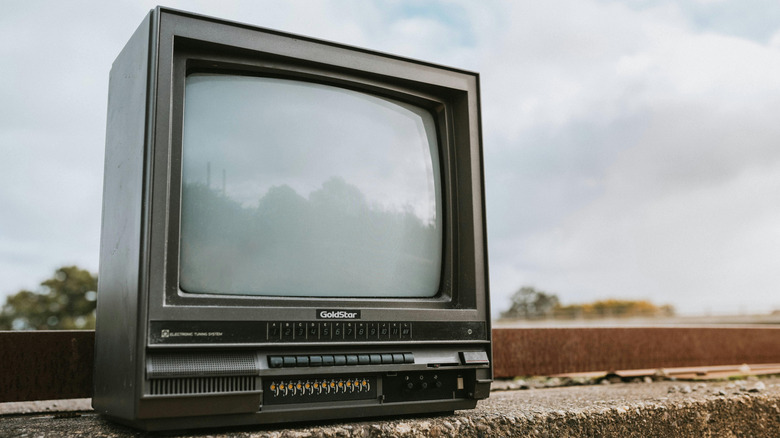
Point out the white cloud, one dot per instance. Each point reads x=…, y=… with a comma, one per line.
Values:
x=629, y=150
x=682, y=124
x=712, y=244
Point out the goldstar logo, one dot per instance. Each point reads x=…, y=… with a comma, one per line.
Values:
x=338, y=314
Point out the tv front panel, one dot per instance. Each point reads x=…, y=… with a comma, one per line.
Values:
x=293, y=230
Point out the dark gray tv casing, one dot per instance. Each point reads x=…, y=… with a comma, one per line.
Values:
x=168, y=359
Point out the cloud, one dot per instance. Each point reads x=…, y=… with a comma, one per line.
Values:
x=707, y=245
x=630, y=146
x=616, y=141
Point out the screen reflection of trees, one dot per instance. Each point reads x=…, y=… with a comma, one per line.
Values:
x=332, y=244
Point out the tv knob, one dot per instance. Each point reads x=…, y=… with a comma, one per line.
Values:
x=424, y=385
x=410, y=385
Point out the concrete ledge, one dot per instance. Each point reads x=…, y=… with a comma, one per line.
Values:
x=673, y=409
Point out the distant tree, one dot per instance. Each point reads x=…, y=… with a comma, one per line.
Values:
x=65, y=301
x=529, y=303
x=613, y=308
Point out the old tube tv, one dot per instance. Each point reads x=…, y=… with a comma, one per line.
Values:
x=292, y=230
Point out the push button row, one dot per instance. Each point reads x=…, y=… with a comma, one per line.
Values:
x=339, y=331
x=329, y=360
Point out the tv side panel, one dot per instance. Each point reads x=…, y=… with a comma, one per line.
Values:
x=122, y=235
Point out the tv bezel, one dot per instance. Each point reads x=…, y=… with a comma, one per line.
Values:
x=185, y=46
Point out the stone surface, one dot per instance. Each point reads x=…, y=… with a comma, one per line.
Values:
x=641, y=409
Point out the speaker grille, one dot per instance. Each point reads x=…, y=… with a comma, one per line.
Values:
x=202, y=385
x=170, y=365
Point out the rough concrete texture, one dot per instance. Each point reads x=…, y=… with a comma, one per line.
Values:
x=748, y=408
x=56, y=406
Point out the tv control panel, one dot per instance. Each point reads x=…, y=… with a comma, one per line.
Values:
x=329, y=360
x=339, y=331
x=286, y=332
x=391, y=387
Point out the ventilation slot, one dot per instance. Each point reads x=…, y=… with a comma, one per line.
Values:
x=202, y=385
x=180, y=365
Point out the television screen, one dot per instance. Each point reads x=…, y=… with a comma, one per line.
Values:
x=293, y=188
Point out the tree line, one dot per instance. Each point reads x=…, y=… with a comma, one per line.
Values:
x=530, y=303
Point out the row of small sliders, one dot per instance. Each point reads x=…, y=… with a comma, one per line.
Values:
x=312, y=387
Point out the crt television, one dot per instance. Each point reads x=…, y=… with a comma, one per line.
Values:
x=292, y=230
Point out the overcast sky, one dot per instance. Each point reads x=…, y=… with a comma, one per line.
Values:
x=632, y=149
